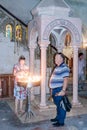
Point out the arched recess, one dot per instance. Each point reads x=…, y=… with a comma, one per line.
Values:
x=66, y=24
x=61, y=36
x=57, y=36
x=67, y=27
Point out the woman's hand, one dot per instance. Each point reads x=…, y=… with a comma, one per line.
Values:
x=61, y=93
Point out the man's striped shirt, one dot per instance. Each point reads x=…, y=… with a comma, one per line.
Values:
x=58, y=75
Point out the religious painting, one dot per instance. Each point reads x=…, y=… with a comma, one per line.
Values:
x=67, y=39
x=9, y=31
x=18, y=33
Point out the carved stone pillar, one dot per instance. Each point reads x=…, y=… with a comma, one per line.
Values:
x=32, y=58
x=43, y=48
x=31, y=64
x=75, y=76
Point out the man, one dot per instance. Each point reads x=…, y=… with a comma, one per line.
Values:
x=58, y=85
x=81, y=70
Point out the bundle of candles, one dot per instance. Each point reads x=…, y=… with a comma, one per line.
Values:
x=24, y=78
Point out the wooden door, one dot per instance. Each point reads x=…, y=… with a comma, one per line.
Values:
x=7, y=85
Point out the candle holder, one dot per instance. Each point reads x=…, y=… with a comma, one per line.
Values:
x=28, y=82
x=29, y=113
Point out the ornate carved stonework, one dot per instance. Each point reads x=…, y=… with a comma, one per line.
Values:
x=64, y=23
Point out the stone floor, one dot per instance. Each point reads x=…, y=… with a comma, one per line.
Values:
x=50, y=111
x=76, y=118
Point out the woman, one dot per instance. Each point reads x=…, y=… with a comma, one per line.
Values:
x=20, y=70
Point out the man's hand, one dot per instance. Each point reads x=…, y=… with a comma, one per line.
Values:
x=61, y=93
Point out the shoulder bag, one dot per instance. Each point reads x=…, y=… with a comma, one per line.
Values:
x=65, y=103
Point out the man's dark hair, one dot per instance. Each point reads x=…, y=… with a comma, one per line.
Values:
x=80, y=54
x=61, y=54
x=21, y=58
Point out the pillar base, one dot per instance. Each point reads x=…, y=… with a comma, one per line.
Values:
x=43, y=108
x=76, y=104
x=0, y=92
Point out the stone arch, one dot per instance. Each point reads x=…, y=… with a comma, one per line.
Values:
x=54, y=36
x=66, y=24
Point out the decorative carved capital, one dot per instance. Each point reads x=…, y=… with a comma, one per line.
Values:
x=44, y=44
x=32, y=46
x=75, y=48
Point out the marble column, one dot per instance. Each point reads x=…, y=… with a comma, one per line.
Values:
x=43, y=48
x=0, y=89
x=75, y=101
x=31, y=64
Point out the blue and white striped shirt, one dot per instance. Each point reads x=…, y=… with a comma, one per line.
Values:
x=57, y=77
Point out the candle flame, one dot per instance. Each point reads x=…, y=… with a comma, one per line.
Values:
x=28, y=78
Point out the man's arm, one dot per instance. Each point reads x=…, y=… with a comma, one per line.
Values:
x=65, y=83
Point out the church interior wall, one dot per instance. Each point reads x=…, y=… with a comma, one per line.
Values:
x=8, y=57
x=14, y=48
x=11, y=49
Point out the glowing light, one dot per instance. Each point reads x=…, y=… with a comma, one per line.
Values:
x=26, y=80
